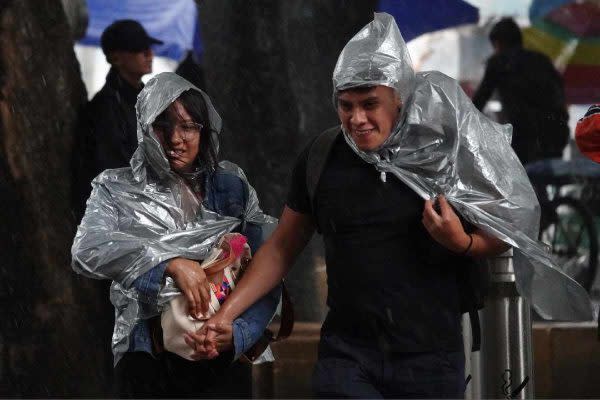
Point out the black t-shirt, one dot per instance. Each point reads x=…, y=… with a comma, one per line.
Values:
x=389, y=283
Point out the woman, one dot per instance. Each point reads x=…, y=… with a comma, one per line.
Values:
x=154, y=222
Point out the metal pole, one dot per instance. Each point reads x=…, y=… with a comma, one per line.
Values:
x=506, y=352
x=473, y=370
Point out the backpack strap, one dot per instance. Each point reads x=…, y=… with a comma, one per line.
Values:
x=287, y=317
x=317, y=158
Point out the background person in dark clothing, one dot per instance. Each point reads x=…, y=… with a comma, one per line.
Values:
x=531, y=92
x=108, y=134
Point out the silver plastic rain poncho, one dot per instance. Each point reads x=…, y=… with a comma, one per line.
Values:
x=442, y=144
x=140, y=216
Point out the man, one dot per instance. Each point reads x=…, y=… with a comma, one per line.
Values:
x=531, y=92
x=108, y=135
x=393, y=329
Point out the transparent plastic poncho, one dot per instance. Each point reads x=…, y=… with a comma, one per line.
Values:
x=442, y=144
x=139, y=216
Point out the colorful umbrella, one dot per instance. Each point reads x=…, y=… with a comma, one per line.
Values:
x=568, y=32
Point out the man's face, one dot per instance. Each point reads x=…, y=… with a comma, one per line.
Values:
x=368, y=115
x=133, y=63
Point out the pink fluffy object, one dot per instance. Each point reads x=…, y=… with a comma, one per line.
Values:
x=236, y=244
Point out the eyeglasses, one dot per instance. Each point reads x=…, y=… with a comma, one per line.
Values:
x=187, y=130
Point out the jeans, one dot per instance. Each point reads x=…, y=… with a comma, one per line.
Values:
x=346, y=370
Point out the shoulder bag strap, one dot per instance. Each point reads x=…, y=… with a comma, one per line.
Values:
x=285, y=327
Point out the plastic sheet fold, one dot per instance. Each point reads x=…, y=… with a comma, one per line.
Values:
x=139, y=216
x=442, y=144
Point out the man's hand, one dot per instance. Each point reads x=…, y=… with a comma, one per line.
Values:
x=445, y=227
x=196, y=340
x=191, y=280
x=210, y=340
x=220, y=333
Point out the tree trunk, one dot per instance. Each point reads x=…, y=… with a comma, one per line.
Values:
x=268, y=66
x=47, y=343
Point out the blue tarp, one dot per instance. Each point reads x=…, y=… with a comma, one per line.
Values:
x=173, y=21
x=415, y=18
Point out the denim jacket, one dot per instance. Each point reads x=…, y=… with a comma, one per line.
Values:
x=226, y=194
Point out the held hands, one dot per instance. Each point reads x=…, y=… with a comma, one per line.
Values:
x=445, y=227
x=210, y=340
x=191, y=280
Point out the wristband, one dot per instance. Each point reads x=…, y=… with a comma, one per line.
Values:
x=464, y=253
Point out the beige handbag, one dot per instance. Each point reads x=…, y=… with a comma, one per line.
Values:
x=223, y=268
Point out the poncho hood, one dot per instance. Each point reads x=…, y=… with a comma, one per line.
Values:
x=157, y=95
x=377, y=55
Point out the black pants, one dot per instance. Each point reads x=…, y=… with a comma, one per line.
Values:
x=345, y=370
x=139, y=375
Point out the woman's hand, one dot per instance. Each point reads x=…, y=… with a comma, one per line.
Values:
x=210, y=340
x=191, y=280
x=445, y=227
x=220, y=335
x=197, y=341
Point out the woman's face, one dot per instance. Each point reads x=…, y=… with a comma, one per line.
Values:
x=179, y=137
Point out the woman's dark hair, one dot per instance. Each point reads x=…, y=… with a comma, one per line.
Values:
x=194, y=104
x=507, y=32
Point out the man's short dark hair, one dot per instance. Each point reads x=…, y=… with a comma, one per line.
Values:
x=358, y=89
x=507, y=33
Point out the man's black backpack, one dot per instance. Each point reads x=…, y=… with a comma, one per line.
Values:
x=472, y=280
